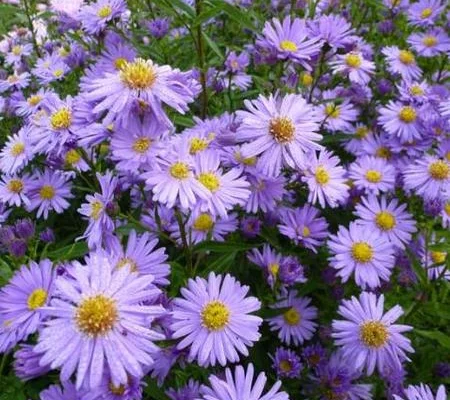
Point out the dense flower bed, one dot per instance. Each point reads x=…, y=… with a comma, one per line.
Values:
x=231, y=200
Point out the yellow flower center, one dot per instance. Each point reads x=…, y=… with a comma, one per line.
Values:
x=322, y=175
x=447, y=155
x=285, y=365
x=362, y=252
x=119, y=63
x=127, y=261
x=179, y=170
x=61, y=119
x=96, y=315
x=430, y=41
x=447, y=208
x=407, y=114
x=57, y=73
x=215, y=315
x=203, y=223
x=373, y=176
x=63, y=52
x=34, y=100
x=306, y=231
x=210, y=181
x=406, y=57
x=47, y=192
x=16, y=50
x=139, y=74
x=141, y=145
x=361, y=132
x=116, y=390
x=282, y=129
x=17, y=149
x=332, y=110
x=353, y=60
x=438, y=257
x=96, y=209
x=37, y=299
x=439, y=170
x=15, y=185
x=292, y=316
x=385, y=220
x=288, y=45
x=197, y=144
x=104, y=12
x=307, y=79
x=274, y=268
x=416, y=90
x=13, y=79
x=373, y=334
x=426, y=12
x=383, y=152
x=72, y=157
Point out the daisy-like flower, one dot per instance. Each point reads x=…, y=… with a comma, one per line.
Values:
x=49, y=191
x=289, y=41
x=286, y=363
x=213, y=320
x=304, y=226
x=266, y=192
x=142, y=257
x=17, y=53
x=227, y=189
x=402, y=62
x=95, y=17
x=17, y=152
x=425, y=12
x=372, y=174
x=337, y=117
x=297, y=323
x=267, y=259
x=21, y=302
x=326, y=180
x=361, y=252
x=26, y=363
x=400, y=120
x=415, y=92
x=141, y=81
x=50, y=68
x=354, y=66
x=132, y=390
x=14, y=190
x=68, y=391
x=241, y=386
x=389, y=218
x=281, y=130
x=99, y=324
x=422, y=392
x=333, y=29
x=174, y=181
x=428, y=177
x=27, y=106
x=187, y=392
x=15, y=81
x=369, y=337
x=137, y=144
x=431, y=43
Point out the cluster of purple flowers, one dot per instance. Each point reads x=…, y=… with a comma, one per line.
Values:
x=330, y=171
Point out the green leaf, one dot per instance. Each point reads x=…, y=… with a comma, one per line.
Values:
x=440, y=337
x=213, y=45
x=238, y=15
x=221, y=264
x=76, y=250
x=223, y=247
x=174, y=7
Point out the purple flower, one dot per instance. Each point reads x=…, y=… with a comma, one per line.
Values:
x=401, y=62
x=297, y=323
x=68, y=391
x=268, y=260
x=47, y=235
x=365, y=253
x=190, y=391
x=400, y=120
x=291, y=271
x=369, y=338
x=333, y=29
x=425, y=12
x=95, y=17
x=266, y=192
x=132, y=390
x=314, y=355
x=21, y=302
x=354, y=66
x=14, y=190
x=250, y=227
x=213, y=320
x=17, y=152
x=336, y=117
x=158, y=27
x=286, y=363
x=431, y=43
x=98, y=324
x=26, y=363
x=24, y=228
x=422, y=392
x=15, y=81
x=374, y=175
x=237, y=63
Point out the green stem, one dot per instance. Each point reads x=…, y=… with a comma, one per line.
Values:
x=201, y=61
x=183, y=235
x=31, y=27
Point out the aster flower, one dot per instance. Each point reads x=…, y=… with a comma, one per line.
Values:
x=24, y=107
x=354, y=66
x=132, y=390
x=297, y=323
x=431, y=43
x=365, y=253
x=402, y=62
x=241, y=387
x=372, y=174
x=21, y=302
x=369, y=337
x=213, y=320
x=425, y=12
x=15, y=81
x=113, y=57
x=304, y=226
x=190, y=391
x=280, y=131
x=314, y=355
x=99, y=324
x=95, y=17
x=26, y=363
x=333, y=29
x=267, y=259
x=68, y=391
x=227, y=189
x=336, y=117
x=389, y=218
x=49, y=191
x=415, y=92
x=50, y=68
x=428, y=177
x=140, y=80
x=289, y=41
x=266, y=192
x=17, y=152
x=286, y=363
x=326, y=180
x=400, y=120
x=237, y=62
x=14, y=190
x=422, y=392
